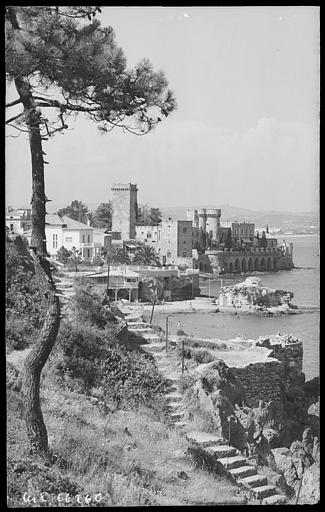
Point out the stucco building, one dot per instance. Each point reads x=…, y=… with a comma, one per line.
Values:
x=69, y=233
x=18, y=220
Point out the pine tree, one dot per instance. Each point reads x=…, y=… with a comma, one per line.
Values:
x=77, y=210
x=61, y=65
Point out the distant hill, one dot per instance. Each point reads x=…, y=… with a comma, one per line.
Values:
x=286, y=221
x=271, y=218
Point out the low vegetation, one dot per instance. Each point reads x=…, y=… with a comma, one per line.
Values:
x=104, y=409
x=24, y=307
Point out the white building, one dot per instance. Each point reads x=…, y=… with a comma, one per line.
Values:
x=18, y=220
x=69, y=233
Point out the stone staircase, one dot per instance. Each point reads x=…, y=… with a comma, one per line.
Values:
x=225, y=459
x=228, y=461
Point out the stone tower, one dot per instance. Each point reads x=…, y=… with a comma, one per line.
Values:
x=192, y=215
x=202, y=213
x=213, y=222
x=124, y=206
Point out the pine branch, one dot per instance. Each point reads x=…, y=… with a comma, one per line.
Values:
x=16, y=102
x=15, y=117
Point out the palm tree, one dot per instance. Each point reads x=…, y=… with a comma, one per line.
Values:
x=118, y=256
x=146, y=255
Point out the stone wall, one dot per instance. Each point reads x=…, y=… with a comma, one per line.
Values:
x=261, y=381
x=285, y=348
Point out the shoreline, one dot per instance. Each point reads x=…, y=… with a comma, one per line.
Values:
x=205, y=305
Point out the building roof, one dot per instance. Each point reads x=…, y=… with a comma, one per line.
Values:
x=67, y=222
x=115, y=273
x=54, y=219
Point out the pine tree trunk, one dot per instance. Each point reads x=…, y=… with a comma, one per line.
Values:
x=36, y=429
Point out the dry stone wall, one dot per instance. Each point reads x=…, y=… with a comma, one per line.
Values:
x=286, y=348
x=261, y=381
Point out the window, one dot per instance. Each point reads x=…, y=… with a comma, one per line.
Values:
x=11, y=227
x=68, y=238
x=169, y=254
x=55, y=241
x=184, y=242
x=184, y=254
x=88, y=238
x=83, y=239
x=184, y=230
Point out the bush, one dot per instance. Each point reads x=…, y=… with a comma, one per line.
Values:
x=24, y=303
x=186, y=381
x=202, y=356
x=77, y=354
x=19, y=333
x=88, y=304
x=85, y=358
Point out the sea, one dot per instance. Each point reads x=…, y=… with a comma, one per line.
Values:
x=303, y=281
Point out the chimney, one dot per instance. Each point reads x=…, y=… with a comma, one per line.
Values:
x=88, y=222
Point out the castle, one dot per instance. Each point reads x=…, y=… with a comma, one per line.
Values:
x=200, y=241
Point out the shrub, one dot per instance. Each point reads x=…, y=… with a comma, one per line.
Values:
x=130, y=378
x=86, y=358
x=19, y=333
x=24, y=303
x=88, y=304
x=77, y=354
x=180, y=332
x=202, y=356
x=186, y=381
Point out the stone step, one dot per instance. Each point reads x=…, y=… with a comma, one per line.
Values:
x=243, y=472
x=264, y=491
x=205, y=438
x=177, y=416
x=152, y=347
x=150, y=336
x=253, y=481
x=138, y=325
x=276, y=499
x=221, y=451
x=174, y=397
x=174, y=405
x=233, y=462
x=140, y=332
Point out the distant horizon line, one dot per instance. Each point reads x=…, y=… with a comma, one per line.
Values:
x=189, y=207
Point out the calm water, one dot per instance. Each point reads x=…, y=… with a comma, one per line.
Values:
x=302, y=281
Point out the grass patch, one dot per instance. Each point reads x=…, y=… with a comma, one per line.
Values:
x=129, y=457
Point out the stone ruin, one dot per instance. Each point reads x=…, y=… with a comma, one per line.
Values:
x=265, y=391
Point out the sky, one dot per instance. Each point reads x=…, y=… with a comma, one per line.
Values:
x=246, y=130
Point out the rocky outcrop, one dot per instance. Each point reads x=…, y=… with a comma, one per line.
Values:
x=251, y=293
x=310, y=486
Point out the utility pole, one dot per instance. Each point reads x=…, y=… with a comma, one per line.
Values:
x=153, y=307
x=166, y=333
x=108, y=266
x=183, y=355
x=209, y=288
